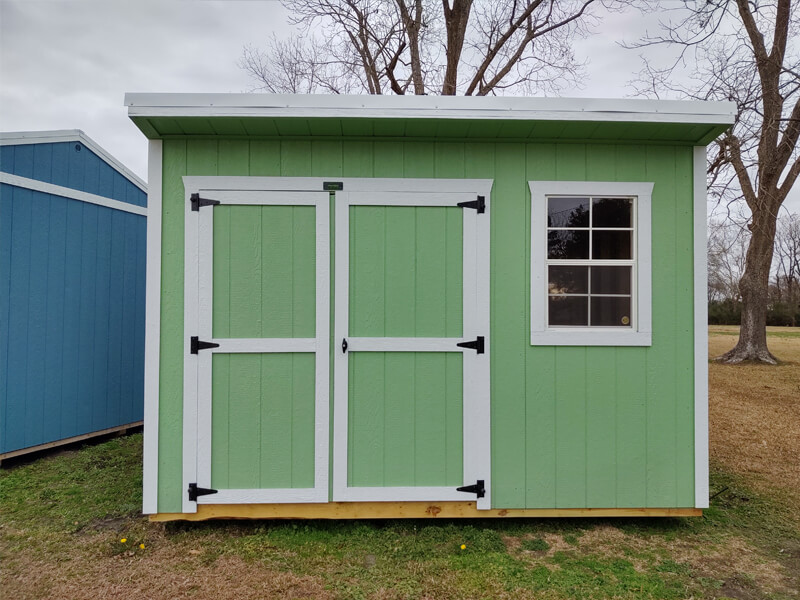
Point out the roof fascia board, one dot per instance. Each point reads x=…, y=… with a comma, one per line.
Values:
x=18, y=138
x=436, y=107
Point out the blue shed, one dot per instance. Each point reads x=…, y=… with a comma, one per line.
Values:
x=72, y=291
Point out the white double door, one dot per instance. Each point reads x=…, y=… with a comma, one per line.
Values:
x=411, y=408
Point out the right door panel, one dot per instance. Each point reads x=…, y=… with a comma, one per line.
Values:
x=409, y=401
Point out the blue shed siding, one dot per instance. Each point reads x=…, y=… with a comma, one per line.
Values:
x=72, y=299
x=60, y=164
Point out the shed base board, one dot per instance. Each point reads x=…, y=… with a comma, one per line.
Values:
x=404, y=510
x=70, y=440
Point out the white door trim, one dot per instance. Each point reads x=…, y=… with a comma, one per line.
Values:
x=476, y=390
x=198, y=367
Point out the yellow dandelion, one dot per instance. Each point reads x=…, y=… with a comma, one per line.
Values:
x=463, y=546
x=141, y=546
x=123, y=540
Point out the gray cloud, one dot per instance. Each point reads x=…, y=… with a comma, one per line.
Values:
x=67, y=64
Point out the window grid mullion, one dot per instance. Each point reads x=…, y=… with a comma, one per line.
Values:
x=589, y=292
x=592, y=262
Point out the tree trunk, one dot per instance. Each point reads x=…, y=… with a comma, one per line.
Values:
x=754, y=288
x=455, y=21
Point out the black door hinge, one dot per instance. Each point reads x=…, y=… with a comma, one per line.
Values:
x=476, y=344
x=198, y=202
x=196, y=345
x=478, y=489
x=195, y=491
x=479, y=204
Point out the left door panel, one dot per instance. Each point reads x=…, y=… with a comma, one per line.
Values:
x=256, y=400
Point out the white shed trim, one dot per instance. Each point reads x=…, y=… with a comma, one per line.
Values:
x=641, y=332
x=476, y=369
x=152, y=332
x=198, y=296
x=65, y=192
x=701, y=483
x=18, y=138
x=428, y=107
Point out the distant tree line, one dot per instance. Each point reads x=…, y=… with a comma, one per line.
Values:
x=727, y=249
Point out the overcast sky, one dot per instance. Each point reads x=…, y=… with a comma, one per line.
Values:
x=66, y=64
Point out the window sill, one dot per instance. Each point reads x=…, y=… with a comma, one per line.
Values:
x=594, y=337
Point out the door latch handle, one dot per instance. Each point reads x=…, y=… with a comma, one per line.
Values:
x=344, y=346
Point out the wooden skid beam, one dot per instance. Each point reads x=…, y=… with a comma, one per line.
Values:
x=404, y=510
x=70, y=440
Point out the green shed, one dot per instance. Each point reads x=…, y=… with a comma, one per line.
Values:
x=372, y=307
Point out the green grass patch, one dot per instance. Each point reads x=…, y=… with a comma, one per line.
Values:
x=90, y=499
x=535, y=545
x=74, y=489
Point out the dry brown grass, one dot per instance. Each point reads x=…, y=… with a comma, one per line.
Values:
x=754, y=412
x=167, y=571
x=725, y=560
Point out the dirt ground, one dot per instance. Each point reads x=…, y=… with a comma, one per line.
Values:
x=755, y=415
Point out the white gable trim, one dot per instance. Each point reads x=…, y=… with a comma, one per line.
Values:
x=65, y=192
x=18, y=138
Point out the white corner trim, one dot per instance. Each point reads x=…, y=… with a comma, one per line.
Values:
x=436, y=107
x=18, y=138
x=65, y=192
x=641, y=333
x=152, y=333
x=701, y=473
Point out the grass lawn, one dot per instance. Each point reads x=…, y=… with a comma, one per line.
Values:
x=63, y=518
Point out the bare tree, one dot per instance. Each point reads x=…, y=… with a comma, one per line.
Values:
x=727, y=249
x=448, y=47
x=787, y=264
x=745, y=51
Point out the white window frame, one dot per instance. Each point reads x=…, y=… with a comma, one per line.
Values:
x=640, y=332
x=476, y=367
x=198, y=286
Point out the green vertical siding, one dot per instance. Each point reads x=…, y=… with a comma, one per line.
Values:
x=571, y=427
x=264, y=286
x=405, y=419
x=405, y=411
x=264, y=272
x=262, y=421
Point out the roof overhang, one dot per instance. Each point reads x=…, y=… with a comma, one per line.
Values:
x=165, y=115
x=18, y=138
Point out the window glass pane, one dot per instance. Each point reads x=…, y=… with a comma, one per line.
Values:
x=568, y=310
x=568, y=280
x=611, y=312
x=565, y=243
x=611, y=244
x=611, y=280
x=612, y=212
x=568, y=212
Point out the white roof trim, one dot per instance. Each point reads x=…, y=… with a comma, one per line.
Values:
x=436, y=107
x=65, y=192
x=16, y=138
